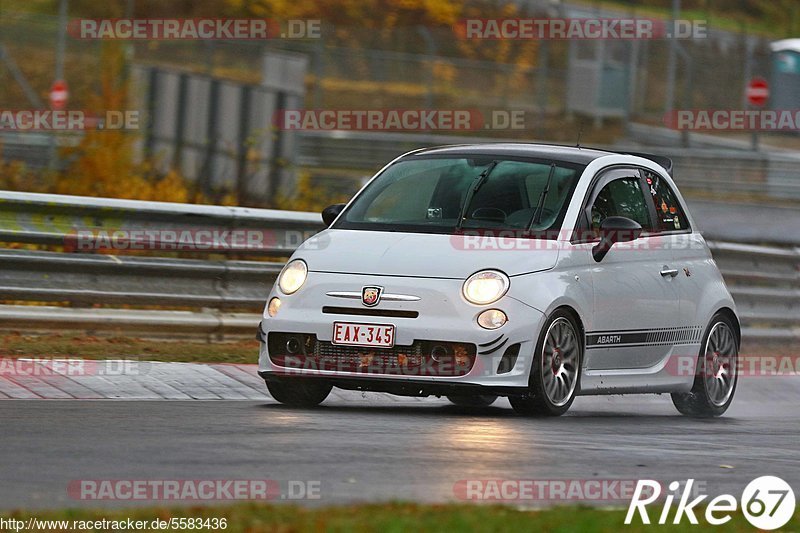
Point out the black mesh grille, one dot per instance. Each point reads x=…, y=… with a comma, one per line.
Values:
x=303, y=351
x=387, y=355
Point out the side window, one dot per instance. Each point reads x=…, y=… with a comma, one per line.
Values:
x=622, y=197
x=669, y=215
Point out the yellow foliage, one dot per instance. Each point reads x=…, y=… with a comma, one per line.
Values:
x=104, y=162
x=444, y=71
x=307, y=197
x=15, y=176
x=104, y=166
x=374, y=87
x=376, y=14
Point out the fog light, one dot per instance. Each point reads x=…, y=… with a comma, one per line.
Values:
x=492, y=319
x=292, y=345
x=274, y=306
x=438, y=352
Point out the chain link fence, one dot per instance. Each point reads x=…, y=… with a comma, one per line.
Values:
x=425, y=67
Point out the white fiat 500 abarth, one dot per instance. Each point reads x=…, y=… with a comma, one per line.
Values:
x=534, y=272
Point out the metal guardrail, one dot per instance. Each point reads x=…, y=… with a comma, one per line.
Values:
x=713, y=164
x=712, y=168
x=83, y=280
x=765, y=283
x=206, y=323
x=214, y=297
x=59, y=220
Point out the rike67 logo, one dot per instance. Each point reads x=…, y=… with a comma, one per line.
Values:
x=767, y=503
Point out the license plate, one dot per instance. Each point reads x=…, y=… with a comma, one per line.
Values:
x=379, y=335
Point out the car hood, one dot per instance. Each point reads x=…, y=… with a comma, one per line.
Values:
x=423, y=255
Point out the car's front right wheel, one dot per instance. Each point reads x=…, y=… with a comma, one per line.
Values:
x=556, y=369
x=715, y=375
x=299, y=392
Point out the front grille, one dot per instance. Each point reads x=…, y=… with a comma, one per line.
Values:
x=327, y=349
x=359, y=311
x=422, y=358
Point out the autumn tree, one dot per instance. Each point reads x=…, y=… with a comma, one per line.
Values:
x=104, y=162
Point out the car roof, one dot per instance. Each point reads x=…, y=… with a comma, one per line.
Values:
x=570, y=154
x=555, y=152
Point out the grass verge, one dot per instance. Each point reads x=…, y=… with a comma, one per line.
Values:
x=78, y=345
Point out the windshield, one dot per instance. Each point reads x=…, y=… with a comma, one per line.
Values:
x=437, y=195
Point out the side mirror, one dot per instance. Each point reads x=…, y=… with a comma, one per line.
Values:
x=330, y=213
x=614, y=230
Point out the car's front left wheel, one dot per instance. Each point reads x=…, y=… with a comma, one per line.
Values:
x=299, y=393
x=556, y=369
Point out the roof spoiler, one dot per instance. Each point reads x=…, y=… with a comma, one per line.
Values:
x=662, y=160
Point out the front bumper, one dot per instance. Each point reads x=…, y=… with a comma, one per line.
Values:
x=410, y=387
x=502, y=357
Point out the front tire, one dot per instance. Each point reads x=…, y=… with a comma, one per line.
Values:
x=556, y=370
x=716, y=374
x=299, y=393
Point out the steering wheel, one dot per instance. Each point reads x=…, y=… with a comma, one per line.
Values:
x=489, y=213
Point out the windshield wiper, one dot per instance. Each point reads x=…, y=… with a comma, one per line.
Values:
x=477, y=183
x=537, y=214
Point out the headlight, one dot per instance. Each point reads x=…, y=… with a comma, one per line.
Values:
x=485, y=287
x=293, y=276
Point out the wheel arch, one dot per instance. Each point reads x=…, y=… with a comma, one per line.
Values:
x=731, y=315
x=578, y=322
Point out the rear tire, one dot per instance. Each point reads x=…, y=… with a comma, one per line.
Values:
x=299, y=393
x=716, y=373
x=556, y=369
x=477, y=400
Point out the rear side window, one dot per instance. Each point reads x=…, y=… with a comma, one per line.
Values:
x=622, y=197
x=669, y=214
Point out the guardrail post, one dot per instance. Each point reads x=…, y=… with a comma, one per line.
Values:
x=277, y=161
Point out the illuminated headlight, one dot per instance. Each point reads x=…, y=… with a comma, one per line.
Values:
x=293, y=276
x=274, y=306
x=485, y=287
x=492, y=319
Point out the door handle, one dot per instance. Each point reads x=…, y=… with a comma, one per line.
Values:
x=666, y=271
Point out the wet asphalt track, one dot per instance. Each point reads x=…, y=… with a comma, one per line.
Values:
x=380, y=448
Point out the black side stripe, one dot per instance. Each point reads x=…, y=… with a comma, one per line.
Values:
x=654, y=337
